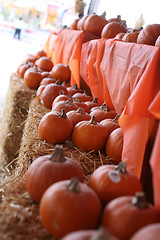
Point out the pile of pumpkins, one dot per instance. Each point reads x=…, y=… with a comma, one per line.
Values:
x=117, y=28
x=111, y=204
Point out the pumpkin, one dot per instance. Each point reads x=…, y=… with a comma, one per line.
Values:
x=48, y=169
x=102, y=113
x=32, y=77
x=45, y=63
x=80, y=24
x=24, y=67
x=82, y=97
x=114, y=145
x=100, y=234
x=123, y=216
x=46, y=74
x=61, y=72
x=157, y=43
x=68, y=206
x=55, y=127
x=119, y=36
x=131, y=36
x=73, y=25
x=29, y=58
x=149, y=34
x=94, y=24
x=67, y=105
x=93, y=103
x=151, y=231
x=59, y=98
x=81, y=104
x=112, y=29
x=89, y=135
x=74, y=89
x=39, y=54
x=78, y=115
x=50, y=92
x=118, y=19
x=48, y=80
x=110, y=181
x=39, y=92
x=110, y=124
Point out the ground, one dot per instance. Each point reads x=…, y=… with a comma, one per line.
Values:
x=13, y=51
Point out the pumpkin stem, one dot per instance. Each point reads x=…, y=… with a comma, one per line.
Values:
x=95, y=100
x=102, y=234
x=70, y=101
x=58, y=154
x=80, y=110
x=63, y=113
x=58, y=82
x=75, y=86
x=121, y=167
x=116, y=118
x=104, y=107
x=140, y=200
x=73, y=185
x=93, y=121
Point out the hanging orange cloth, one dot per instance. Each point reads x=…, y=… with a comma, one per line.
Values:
x=50, y=44
x=68, y=50
x=127, y=76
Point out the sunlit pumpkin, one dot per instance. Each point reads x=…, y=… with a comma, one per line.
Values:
x=94, y=24
x=61, y=72
x=149, y=34
x=78, y=115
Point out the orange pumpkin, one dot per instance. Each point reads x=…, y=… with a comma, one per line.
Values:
x=125, y=215
x=81, y=104
x=24, y=67
x=61, y=72
x=131, y=36
x=73, y=25
x=67, y=105
x=32, y=77
x=110, y=124
x=44, y=63
x=119, y=36
x=39, y=54
x=55, y=127
x=110, y=181
x=78, y=115
x=53, y=168
x=151, y=231
x=68, y=206
x=114, y=145
x=102, y=113
x=157, y=43
x=89, y=135
x=74, y=89
x=149, y=34
x=39, y=92
x=93, y=103
x=59, y=98
x=82, y=97
x=112, y=29
x=94, y=24
x=48, y=80
x=118, y=19
x=80, y=24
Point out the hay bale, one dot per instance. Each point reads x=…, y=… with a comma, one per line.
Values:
x=19, y=214
x=14, y=114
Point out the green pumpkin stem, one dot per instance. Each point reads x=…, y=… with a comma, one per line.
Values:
x=58, y=154
x=95, y=100
x=75, y=86
x=93, y=121
x=102, y=234
x=80, y=110
x=63, y=113
x=140, y=200
x=121, y=167
x=116, y=118
x=73, y=185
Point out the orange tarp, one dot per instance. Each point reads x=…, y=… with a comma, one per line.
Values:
x=50, y=44
x=66, y=49
x=126, y=76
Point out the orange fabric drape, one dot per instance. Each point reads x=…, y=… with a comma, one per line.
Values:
x=127, y=77
x=68, y=50
x=50, y=44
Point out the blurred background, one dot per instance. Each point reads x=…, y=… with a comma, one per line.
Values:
x=40, y=17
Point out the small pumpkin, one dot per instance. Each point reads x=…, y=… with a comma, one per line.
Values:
x=67, y=105
x=73, y=25
x=81, y=104
x=61, y=72
x=50, y=92
x=78, y=115
x=80, y=24
x=151, y=231
x=93, y=103
x=48, y=80
x=74, y=89
x=110, y=124
x=113, y=19
x=48, y=169
x=114, y=145
x=82, y=97
x=45, y=63
x=102, y=112
x=119, y=36
x=110, y=181
x=125, y=215
x=30, y=58
x=89, y=135
x=32, y=77
x=46, y=74
x=55, y=127
x=24, y=67
x=94, y=24
x=39, y=92
x=131, y=36
x=39, y=54
x=68, y=206
x=149, y=34
x=157, y=43
x=59, y=98
x=100, y=234
x=111, y=29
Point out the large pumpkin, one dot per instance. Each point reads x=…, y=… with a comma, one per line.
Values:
x=55, y=127
x=48, y=169
x=125, y=215
x=68, y=206
x=94, y=24
x=149, y=34
x=112, y=29
x=110, y=181
x=89, y=135
x=149, y=232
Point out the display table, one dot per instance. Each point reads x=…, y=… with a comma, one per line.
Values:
x=126, y=77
